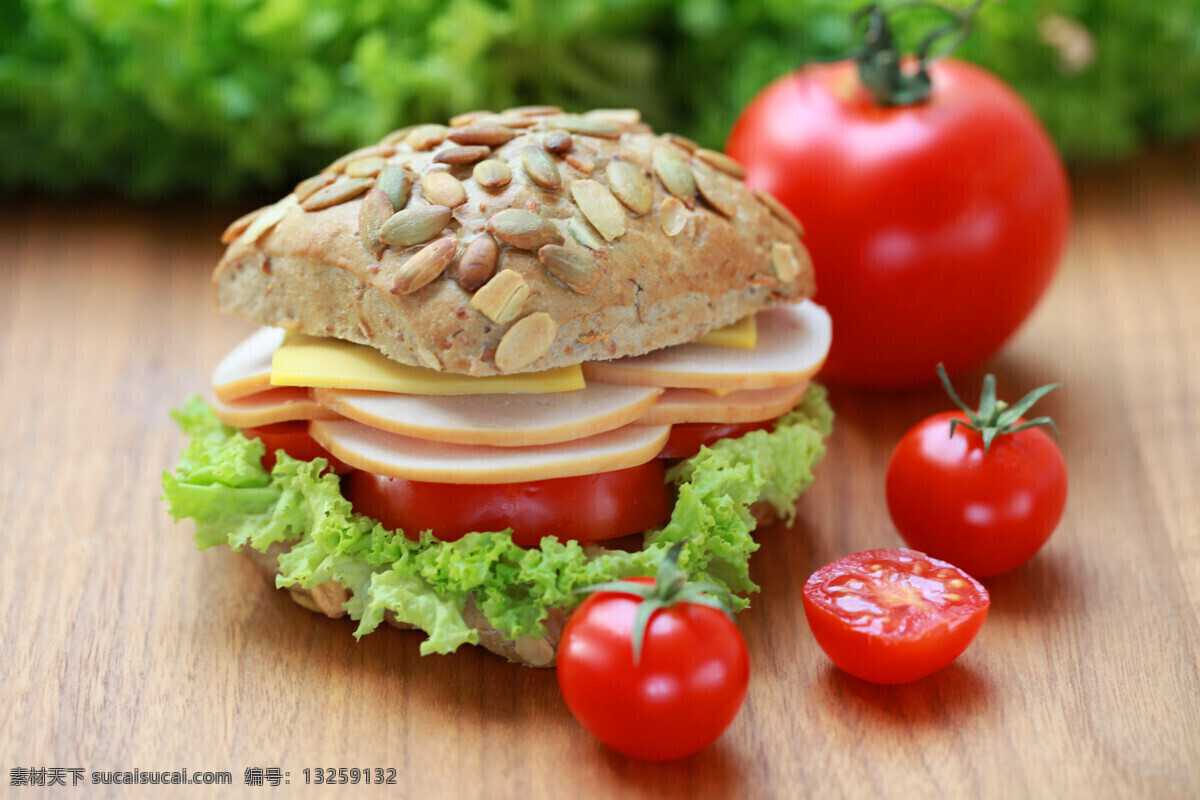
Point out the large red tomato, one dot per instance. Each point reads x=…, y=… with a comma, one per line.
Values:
x=934, y=227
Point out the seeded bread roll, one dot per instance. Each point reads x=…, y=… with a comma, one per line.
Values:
x=516, y=242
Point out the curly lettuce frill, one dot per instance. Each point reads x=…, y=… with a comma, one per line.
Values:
x=220, y=484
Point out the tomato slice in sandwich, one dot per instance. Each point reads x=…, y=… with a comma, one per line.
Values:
x=686, y=439
x=292, y=438
x=587, y=508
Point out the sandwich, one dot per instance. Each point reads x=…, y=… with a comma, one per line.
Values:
x=502, y=360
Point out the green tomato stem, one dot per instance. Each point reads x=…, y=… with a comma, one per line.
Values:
x=880, y=62
x=670, y=588
x=995, y=418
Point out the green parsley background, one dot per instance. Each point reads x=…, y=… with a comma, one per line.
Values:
x=222, y=97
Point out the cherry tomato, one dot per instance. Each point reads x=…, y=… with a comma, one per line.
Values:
x=986, y=512
x=687, y=438
x=292, y=438
x=587, y=508
x=677, y=699
x=934, y=228
x=893, y=616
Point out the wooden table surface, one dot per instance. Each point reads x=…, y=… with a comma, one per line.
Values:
x=121, y=647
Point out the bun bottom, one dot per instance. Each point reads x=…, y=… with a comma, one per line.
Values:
x=328, y=598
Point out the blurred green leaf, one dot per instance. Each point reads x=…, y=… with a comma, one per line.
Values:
x=152, y=97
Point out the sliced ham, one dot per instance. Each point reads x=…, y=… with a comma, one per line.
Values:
x=502, y=420
x=247, y=368
x=678, y=406
x=793, y=341
x=399, y=456
x=268, y=407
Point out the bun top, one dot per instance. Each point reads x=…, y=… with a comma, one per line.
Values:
x=516, y=242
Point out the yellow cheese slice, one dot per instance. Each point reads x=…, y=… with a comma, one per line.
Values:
x=517, y=420
x=328, y=363
x=742, y=335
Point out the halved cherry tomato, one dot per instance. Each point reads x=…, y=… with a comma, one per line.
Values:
x=686, y=439
x=292, y=438
x=893, y=616
x=587, y=508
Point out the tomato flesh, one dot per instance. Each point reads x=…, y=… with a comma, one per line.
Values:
x=986, y=512
x=683, y=693
x=292, y=438
x=893, y=616
x=934, y=228
x=686, y=439
x=586, y=508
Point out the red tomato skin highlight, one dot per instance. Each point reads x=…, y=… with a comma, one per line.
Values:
x=586, y=508
x=686, y=690
x=987, y=513
x=934, y=229
x=927, y=641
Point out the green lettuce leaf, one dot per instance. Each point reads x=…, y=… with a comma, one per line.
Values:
x=413, y=601
x=220, y=485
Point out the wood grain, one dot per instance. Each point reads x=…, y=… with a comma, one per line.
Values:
x=121, y=647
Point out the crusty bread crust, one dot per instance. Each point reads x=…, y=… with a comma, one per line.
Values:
x=597, y=277
x=327, y=599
